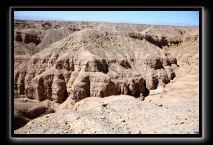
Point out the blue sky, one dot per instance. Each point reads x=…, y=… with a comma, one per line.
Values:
x=190, y=18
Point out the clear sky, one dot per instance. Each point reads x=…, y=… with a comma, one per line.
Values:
x=190, y=18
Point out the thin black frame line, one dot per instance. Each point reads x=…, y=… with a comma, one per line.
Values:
x=105, y=9
x=101, y=7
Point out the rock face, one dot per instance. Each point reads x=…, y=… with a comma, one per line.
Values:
x=71, y=62
x=27, y=37
x=101, y=85
x=97, y=62
x=50, y=85
x=80, y=87
x=59, y=91
x=33, y=36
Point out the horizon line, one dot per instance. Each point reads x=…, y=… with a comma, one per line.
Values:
x=93, y=21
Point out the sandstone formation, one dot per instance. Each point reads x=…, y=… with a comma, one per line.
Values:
x=32, y=36
x=91, y=53
x=66, y=63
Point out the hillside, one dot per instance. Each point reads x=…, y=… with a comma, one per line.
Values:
x=140, y=70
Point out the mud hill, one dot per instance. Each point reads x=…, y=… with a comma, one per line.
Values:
x=39, y=34
x=61, y=66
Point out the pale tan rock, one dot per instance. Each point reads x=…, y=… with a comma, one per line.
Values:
x=70, y=82
x=80, y=66
x=20, y=83
x=80, y=87
x=59, y=90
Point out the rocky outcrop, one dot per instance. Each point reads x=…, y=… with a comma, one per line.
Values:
x=27, y=37
x=55, y=76
x=29, y=90
x=33, y=36
x=170, y=72
x=136, y=36
x=20, y=83
x=154, y=63
x=70, y=82
x=46, y=25
x=163, y=41
x=163, y=77
x=80, y=66
x=80, y=87
x=101, y=85
x=49, y=85
x=97, y=66
x=124, y=63
x=97, y=62
x=59, y=90
x=18, y=37
x=64, y=64
x=160, y=41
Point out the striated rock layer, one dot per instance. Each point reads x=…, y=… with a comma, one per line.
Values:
x=64, y=63
x=93, y=62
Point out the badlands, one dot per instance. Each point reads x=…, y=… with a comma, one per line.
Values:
x=102, y=78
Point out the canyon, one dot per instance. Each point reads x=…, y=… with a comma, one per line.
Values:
x=106, y=78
